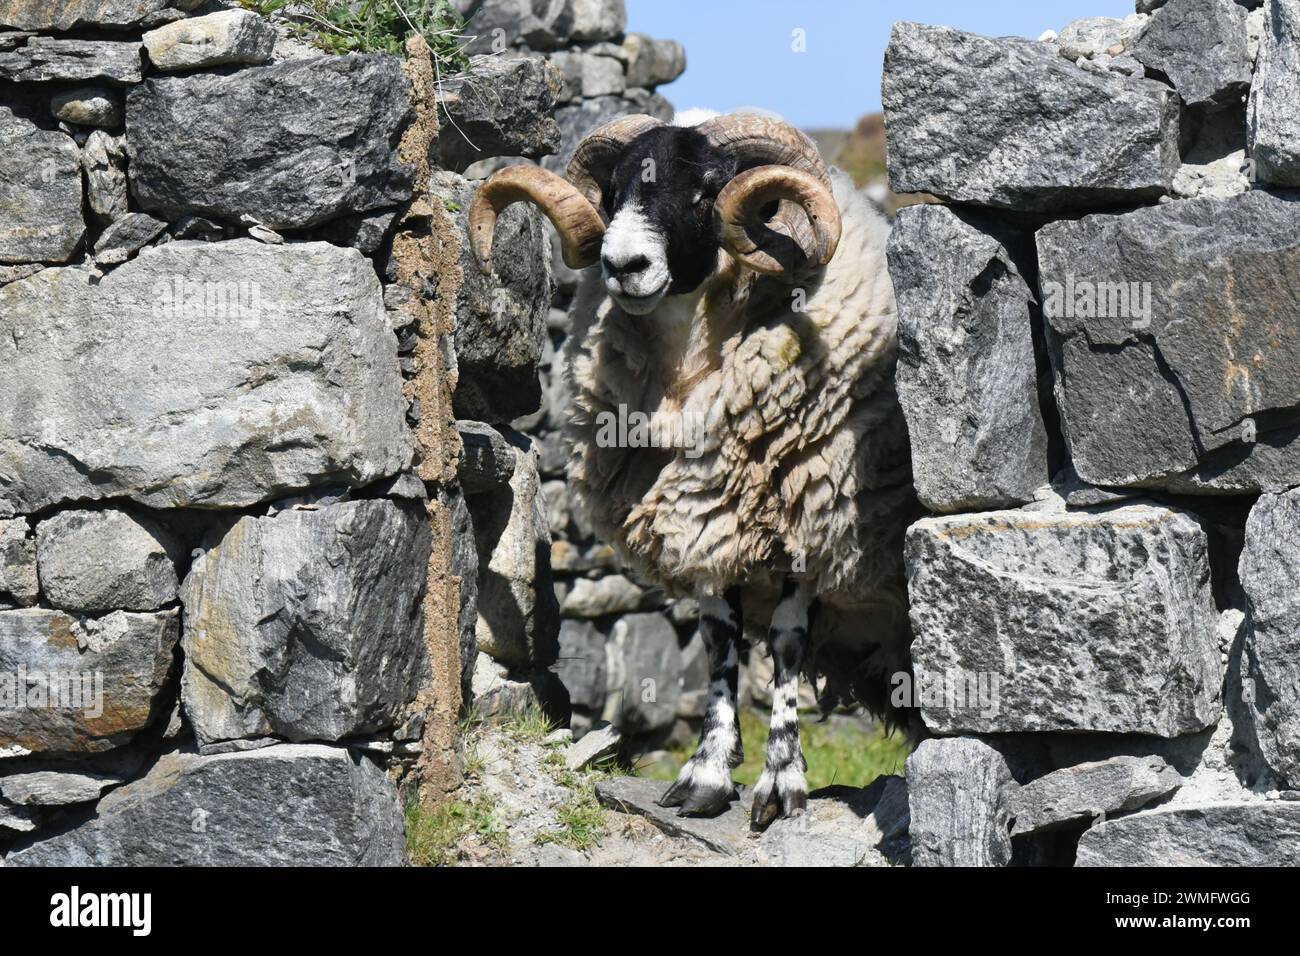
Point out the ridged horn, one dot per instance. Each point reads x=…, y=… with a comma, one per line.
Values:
x=594, y=160
x=773, y=245
x=757, y=140
x=575, y=219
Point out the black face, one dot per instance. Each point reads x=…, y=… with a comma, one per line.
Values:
x=672, y=175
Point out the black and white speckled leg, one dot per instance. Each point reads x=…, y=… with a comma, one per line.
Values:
x=781, y=790
x=704, y=787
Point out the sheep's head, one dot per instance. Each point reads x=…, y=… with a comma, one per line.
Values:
x=673, y=197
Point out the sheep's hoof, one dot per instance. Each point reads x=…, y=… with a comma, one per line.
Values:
x=697, y=799
x=772, y=801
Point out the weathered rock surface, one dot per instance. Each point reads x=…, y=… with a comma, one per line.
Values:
x=956, y=791
x=1270, y=577
x=967, y=378
x=307, y=625
x=88, y=106
x=652, y=62
x=81, y=685
x=40, y=193
x=488, y=457
x=315, y=141
x=600, y=743
x=1273, y=119
x=104, y=160
x=19, y=584
x=71, y=14
x=501, y=318
x=610, y=594
x=126, y=236
x=588, y=74
x=199, y=374
x=229, y=36
x=93, y=561
x=240, y=809
x=46, y=59
x=581, y=664
x=975, y=120
x=1086, y=790
x=1074, y=621
x=1171, y=342
x=1245, y=834
x=651, y=662
x=50, y=788
x=1200, y=45
x=500, y=107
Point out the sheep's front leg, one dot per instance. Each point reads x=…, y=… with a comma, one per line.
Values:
x=781, y=790
x=704, y=786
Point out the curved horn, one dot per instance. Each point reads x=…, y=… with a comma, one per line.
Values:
x=575, y=219
x=757, y=140
x=593, y=161
x=738, y=209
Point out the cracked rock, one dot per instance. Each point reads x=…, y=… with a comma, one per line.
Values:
x=1274, y=109
x=47, y=59
x=1082, y=792
x=957, y=791
x=1200, y=45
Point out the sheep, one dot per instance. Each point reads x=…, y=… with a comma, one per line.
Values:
x=743, y=308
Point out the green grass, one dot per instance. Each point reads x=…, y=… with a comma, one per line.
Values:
x=375, y=26
x=838, y=752
x=432, y=837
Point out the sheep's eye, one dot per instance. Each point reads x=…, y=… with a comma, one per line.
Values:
x=696, y=197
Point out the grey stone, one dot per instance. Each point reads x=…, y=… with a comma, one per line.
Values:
x=611, y=594
x=498, y=24
x=587, y=75
x=1007, y=122
x=652, y=665
x=1273, y=118
x=464, y=565
x=104, y=160
x=308, y=625
x=365, y=232
x=88, y=106
x=13, y=273
x=1271, y=658
x=1200, y=45
x=579, y=119
x=228, y=36
x=581, y=664
x=315, y=141
x=1084, y=791
x=727, y=833
x=72, y=14
x=500, y=107
x=488, y=457
x=287, y=805
x=1224, y=834
x=500, y=318
x=1162, y=324
x=600, y=743
x=51, y=788
x=1100, y=36
x=212, y=375
x=967, y=378
x=843, y=826
x=47, y=59
x=92, y=561
x=17, y=820
x=81, y=685
x=196, y=227
x=18, y=579
x=126, y=236
x=652, y=62
x=595, y=20
x=1068, y=621
x=957, y=791
x=518, y=617
x=40, y=193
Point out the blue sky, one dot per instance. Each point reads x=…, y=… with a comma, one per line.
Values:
x=738, y=52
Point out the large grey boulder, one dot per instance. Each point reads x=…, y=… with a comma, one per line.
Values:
x=1035, y=621
x=967, y=378
x=228, y=36
x=93, y=561
x=293, y=144
x=651, y=672
x=59, y=15
x=1263, y=833
x=1008, y=122
x=40, y=193
x=1163, y=325
x=286, y=805
x=500, y=107
x=19, y=584
x=1084, y=791
x=199, y=375
x=81, y=685
x=957, y=792
x=1273, y=118
x=1270, y=577
x=1200, y=45
x=47, y=59
x=501, y=317
x=308, y=625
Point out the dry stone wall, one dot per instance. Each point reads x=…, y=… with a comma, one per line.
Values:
x=1105, y=296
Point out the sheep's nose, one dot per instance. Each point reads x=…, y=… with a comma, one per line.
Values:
x=619, y=266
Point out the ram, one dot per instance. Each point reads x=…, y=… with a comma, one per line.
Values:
x=743, y=309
